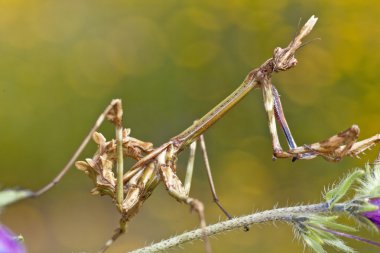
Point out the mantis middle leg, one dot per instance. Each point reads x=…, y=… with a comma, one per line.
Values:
x=189, y=172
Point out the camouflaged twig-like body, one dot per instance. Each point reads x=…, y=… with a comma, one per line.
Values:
x=100, y=167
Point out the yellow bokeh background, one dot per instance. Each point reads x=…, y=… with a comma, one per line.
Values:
x=61, y=63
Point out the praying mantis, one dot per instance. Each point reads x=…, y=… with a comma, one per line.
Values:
x=156, y=165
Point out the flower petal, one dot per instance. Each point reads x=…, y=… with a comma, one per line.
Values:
x=9, y=242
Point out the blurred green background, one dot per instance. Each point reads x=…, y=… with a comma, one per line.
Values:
x=61, y=63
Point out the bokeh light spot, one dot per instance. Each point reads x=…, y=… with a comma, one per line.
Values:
x=136, y=46
x=196, y=54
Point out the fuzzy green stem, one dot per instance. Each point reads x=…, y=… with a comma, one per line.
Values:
x=286, y=214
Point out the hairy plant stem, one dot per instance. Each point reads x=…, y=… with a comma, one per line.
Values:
x=286, y=214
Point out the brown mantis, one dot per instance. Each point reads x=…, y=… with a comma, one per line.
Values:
x=154, y=165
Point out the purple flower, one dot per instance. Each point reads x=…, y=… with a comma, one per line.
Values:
x=374, y=216
x=9, y=243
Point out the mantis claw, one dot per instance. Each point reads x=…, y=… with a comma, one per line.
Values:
x=279, y=153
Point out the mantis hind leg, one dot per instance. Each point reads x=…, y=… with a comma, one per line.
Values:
x=175, y=189
x=210, y=178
